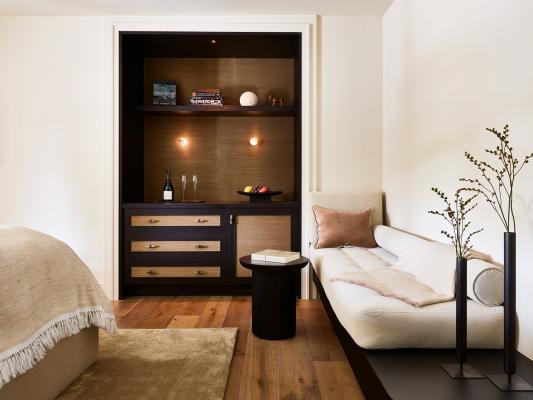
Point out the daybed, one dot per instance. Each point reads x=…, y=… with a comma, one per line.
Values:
x=368, y=323
x=378, y=322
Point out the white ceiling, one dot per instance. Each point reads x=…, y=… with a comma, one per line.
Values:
x=193, y=7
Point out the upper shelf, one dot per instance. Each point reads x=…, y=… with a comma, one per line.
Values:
x=188, y=110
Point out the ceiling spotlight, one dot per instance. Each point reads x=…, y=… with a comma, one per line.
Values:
x=183, y=141
x=254, y=141
x=213, y=41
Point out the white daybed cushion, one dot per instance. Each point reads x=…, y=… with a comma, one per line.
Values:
x=394, y=240
x=485, y=280
x=431, y=263
x=378, y=322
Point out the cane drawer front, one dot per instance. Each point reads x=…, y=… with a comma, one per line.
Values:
x=154, y=272
x=175, y=220
x=192, y=246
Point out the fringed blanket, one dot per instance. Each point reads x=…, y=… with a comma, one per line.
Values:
x=423, y=275
x=46, y=294
x=390, y=282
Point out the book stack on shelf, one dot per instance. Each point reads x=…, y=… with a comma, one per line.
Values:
x=207, y=97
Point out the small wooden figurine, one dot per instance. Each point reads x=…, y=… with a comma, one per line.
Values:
x=275, y=101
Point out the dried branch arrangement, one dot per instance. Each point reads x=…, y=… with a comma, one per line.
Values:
x=455, y=214
x=497, y=181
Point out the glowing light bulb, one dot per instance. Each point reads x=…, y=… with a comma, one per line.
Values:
x=183, y=141
x=254, y=141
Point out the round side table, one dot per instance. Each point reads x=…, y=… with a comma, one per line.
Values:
x=273, y=297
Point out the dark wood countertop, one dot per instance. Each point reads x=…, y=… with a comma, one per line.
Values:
x=240, y=205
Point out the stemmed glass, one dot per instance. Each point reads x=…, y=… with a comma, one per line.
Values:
x=194, y=186
x=183, y=186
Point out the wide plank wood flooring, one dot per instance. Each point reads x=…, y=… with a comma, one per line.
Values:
x=312, y=365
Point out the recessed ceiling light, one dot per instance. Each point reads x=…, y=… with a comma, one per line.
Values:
x=213, y=41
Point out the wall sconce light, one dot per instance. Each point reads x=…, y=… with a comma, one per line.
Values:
x=183, y=141
x=254, y=141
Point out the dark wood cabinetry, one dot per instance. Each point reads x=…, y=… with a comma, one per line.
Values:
x=193, y=248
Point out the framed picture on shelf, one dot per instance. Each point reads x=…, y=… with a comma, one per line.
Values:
x=164, y=93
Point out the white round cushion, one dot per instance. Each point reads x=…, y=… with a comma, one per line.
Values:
x=485, y=282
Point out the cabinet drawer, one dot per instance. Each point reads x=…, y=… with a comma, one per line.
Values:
x=176, y=245
x=176, y=272
x=175, y=220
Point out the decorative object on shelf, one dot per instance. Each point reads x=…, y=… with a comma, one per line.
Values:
x=275, y=101
x=259, y=193
x=248, y=99
x=455, y=214
x=168, y=189
x=207, y=97
x=183, y=187
x=164, y=93
x=497, y=185
x=254, y=141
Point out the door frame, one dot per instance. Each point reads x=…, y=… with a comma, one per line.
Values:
x=306, y=25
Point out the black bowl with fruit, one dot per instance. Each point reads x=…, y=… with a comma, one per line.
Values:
x=259, y=193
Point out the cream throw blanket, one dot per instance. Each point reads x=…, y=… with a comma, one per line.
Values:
x=423, y=275
x=46, y=294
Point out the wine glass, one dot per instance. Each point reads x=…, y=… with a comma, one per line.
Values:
x=183, y=186
x=194, y=186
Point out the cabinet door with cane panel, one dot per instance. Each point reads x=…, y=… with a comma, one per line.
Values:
x=260, y=232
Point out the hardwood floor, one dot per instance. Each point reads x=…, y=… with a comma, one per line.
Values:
x=312, y=365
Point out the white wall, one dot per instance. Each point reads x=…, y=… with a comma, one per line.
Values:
x=51, y=145
x=350, y=123
x=452, y=68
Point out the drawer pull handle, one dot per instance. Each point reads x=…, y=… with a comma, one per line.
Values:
x=153, y=221
x=201, y=220
x=200, y=273
x=152, y=246
x=151, y=272
x=201, y=246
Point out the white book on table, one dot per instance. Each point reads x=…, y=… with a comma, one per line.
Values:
x=275, y=256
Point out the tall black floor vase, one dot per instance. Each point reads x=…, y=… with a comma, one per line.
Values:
x=509, y=382
x=461, y=370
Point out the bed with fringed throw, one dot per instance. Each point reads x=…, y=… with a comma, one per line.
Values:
x=46, y=294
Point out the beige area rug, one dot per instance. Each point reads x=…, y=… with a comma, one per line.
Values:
x=158, y=364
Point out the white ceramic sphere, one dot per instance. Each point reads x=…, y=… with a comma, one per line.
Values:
x=248, y=99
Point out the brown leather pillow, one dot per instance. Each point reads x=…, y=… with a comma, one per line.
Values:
x=337, y=228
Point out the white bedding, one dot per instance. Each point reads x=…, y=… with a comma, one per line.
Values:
x=378, y=322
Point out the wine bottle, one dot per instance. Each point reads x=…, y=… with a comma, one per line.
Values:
x=168, y=189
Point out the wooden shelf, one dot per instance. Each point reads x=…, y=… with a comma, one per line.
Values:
x=188, y=110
